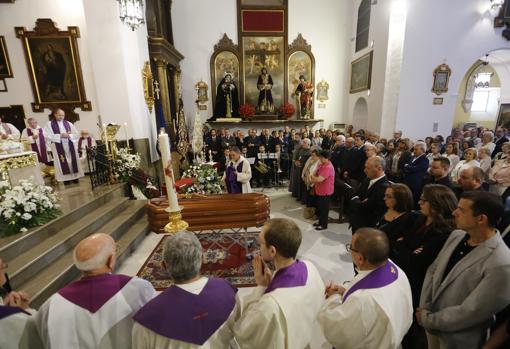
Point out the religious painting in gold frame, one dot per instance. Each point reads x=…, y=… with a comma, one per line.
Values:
x=361, y=73
x=54, y=66
x=441, y=78
x=201, y=88
x=5, y=64
x=225, y=59
x=322, y=91
x=263, y=52
x=148, y=85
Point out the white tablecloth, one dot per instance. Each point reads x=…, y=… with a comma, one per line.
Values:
x=14, y=175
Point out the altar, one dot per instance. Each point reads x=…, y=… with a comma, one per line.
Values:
x=18, y=166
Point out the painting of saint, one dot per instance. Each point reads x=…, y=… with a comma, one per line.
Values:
x=5, y=67
x=265, y=84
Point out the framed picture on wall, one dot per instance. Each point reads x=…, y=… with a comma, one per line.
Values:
x=5, y=64
x=504, y=116
x=54, y=65
x=361, y=73
x=441, y=78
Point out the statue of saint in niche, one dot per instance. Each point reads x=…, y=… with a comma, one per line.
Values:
x=264, y=85
x=304, y=95
x=227, y=99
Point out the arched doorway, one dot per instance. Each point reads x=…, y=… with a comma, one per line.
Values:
x=360, y=114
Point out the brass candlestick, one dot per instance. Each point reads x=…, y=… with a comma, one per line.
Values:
x=175, y=223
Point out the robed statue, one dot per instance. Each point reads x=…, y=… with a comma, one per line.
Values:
x=265, y=85
x=227, y=99
x=304, y=94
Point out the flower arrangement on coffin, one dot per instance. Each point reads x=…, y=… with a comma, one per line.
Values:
x=205, y=180
x=287, y=110
x=26, y=205
x=127, y=167
x=246, y=111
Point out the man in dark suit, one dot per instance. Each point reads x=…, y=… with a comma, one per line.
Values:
x=252, y=142
x=227, y=140
x=415, y=170
x=367, y=206
x=356, y=161
x=213, y=143
x=499, y=140
x=438, y=172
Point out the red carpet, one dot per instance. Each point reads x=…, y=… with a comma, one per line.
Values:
x=224, y=257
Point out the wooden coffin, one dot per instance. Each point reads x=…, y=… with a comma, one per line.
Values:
x=213, y=212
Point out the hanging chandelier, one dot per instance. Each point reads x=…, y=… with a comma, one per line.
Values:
x=497, y=4
x=131, y=13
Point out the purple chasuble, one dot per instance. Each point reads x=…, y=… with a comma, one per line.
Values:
x=233, y=186
x=380, y=277
x=192, y=318
x=91, y=293
x=42, y=153
x=60, y=148
x=6, y=311
x=294, y=275
x=89, y=144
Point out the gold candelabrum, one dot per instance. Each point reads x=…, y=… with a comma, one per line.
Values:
x=175, y=223
x=108, y=136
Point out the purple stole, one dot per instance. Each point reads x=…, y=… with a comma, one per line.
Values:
x=60, y=149
x=6, y=128
x=91, y=293
x=294, y=275
x=6, y=311
x=233, y=186
x=180, y=315
x=42, y=154
x=89, y=144
x=380, y=277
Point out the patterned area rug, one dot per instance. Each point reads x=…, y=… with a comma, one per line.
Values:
x=226, y=255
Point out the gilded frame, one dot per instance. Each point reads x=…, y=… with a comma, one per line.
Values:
x=201, y=88
x=322, y=91
x=225, y=50
x=441, y=75
x=148, y=85
x=361, y=73
x=5, y=64
x=300, y=61
x=61, y=46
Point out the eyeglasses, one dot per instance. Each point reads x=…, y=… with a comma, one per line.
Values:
x=349, y=248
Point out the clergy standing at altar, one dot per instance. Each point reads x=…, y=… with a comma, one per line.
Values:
x=8, y=130
x=96, y=311
x=34, y=135
x=85, y=141
x=375, y=309
x=238, y=173
x=281, y=311
x=64, y=145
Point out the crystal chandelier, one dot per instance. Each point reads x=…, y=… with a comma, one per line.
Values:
x=131, y=13
x=497, y=4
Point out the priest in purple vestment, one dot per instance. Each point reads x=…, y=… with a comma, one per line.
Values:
x=282, y=309
x=375, y=309
x=95, y=312
x=195, y=312
x=34, y=135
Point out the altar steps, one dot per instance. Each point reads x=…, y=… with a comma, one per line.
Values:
x=41, y=262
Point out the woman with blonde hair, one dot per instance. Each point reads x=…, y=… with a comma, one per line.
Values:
x=470, y=156
x=309, y=169
x=452, y=153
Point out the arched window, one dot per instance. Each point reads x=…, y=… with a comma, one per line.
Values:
x=363, y=26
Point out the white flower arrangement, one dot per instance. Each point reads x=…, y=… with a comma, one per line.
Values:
x=205, y=180
x=126, y=164
x=26, y=205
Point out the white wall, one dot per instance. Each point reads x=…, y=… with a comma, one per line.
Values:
x=458, y=31
x=111, y=55
x=199, y=24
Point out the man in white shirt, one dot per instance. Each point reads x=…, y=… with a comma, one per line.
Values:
x=96, y=311
x=8, y=130
x=64, y=138
x=375, y=309
x=281, y=312
x=34, y=134
x=195, y=312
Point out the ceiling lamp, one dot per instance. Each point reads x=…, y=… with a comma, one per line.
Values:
x=497, y=4
x=131, y=13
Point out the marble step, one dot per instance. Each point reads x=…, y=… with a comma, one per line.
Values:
x=129, y=227
x=27, y=264
x=74, y=206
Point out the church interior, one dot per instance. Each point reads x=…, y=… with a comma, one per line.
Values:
x=254, y=174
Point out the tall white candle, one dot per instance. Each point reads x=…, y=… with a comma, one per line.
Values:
x=125, y=132
x=164, y=148
x=105, y=138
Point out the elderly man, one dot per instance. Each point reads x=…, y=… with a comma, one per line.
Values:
x=299, y=157
x=238, y=173
x=8, y=130
x=415, y=170
x=469, y=281
x=85, y=141
x=63, y=137
x=375, y=310
x=34, y=134
x=201, y=311
x=96, y=311
x=281, y=311
x=500, y=139
x=367, y=206
x=397, y=137
x=16, y=329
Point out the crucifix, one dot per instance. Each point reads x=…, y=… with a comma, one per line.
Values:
x=156, y=89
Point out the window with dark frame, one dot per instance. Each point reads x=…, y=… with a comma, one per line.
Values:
x=363, y=25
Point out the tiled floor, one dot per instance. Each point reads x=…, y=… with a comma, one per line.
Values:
x=326, y=249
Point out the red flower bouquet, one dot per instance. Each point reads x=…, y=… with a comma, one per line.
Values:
x=246, y=110
x=287, y=110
